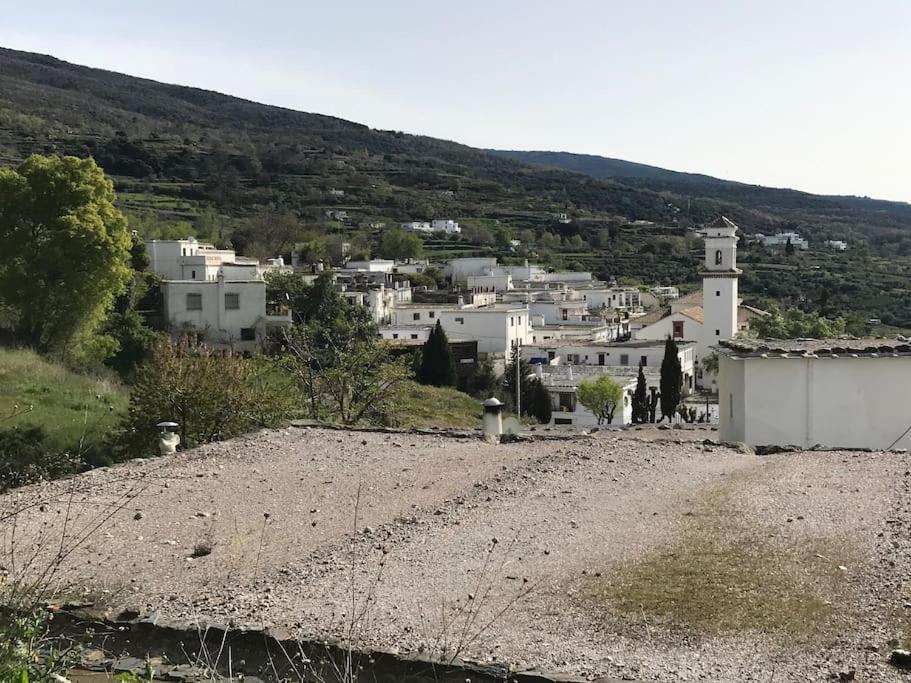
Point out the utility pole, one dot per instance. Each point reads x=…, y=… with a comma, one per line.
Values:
x=518, y=382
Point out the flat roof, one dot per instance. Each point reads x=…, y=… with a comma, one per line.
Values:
x=870, y=347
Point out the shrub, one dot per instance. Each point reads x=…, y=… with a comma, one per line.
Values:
x=211, y=395
x=26, y=457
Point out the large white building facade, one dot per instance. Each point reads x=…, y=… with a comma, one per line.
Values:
x=835, y=393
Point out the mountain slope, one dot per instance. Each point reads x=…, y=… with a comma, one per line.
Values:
x=785, y=203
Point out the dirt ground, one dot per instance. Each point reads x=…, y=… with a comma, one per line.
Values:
x=642, y=554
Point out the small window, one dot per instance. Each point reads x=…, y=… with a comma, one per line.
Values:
x=247, y=334
x=717, y=333
x=461, y=321
x=678, y=329
x=731, y=405
x=415, y=316
x=717, y=292
x=512, y=321
x=520, y=319
x=232, y=302
x=432, y=314
x=624, y=359
x=718, y=257
x=414, y=336
x=194, y=302
x=395, y=335
x=192, y=274
x=643, y=361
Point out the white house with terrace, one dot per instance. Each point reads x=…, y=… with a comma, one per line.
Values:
x=214, y=294
x=836, y=393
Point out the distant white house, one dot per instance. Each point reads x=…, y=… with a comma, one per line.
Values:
x=837, y=393
x=837, y=245
x=665, y=292
x=446, y=226
x=782, y=239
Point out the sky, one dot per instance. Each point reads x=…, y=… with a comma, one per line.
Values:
x=809, y=94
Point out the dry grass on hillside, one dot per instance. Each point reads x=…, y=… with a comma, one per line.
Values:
x=728, y=575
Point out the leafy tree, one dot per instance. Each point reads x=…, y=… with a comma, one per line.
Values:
x=671, y=380
x=437, y=362
x=400, y=245
x=270, y=233
x=793, y=323
x=640, y=399
x=601, y=396
x=64, y=250
x=541, y=404
x=211, y=395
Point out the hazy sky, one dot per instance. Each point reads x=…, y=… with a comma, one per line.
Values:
x=812, y=95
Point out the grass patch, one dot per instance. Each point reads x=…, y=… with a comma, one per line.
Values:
x=426, y=406
x=725, y=576
x=66, y=404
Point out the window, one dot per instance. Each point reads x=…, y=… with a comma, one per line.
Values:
x=565, y=314
x=643, y=361
x=192, y=274
x=432, y=314
x=415, y=316
x=718, y=257
x=247, y=334
x=520, y=319
x=717, y=292
x=395, y=335
x=731, y=405
x=414, y=336
x=717, y=333
x=512, y=321
x=461, y=321
x=678, y=329
x=232, y=302
x=600, y=359
x=624, y=359
x=194, y=302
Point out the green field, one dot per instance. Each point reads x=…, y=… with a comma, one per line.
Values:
x=68, y=405
x=423, y=406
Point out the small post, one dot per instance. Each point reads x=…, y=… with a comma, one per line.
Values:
x=493, y=420
x=169, y=439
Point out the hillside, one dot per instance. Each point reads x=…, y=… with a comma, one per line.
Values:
x=873, y=217
x=190, y=161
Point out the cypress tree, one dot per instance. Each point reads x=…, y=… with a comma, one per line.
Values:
x=640, y=399
x=437, y=362
x=671, y=380
x=541, y=406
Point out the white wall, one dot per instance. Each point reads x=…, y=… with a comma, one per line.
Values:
x=459, y=269
x=719, y=309
x=836, y=402
x=218, y=324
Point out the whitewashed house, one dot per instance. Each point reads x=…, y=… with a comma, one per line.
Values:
x=781, y=239
x=837, y=245
x=417, y=226
x=837, y=393
x=447, y=226
x=214, y=294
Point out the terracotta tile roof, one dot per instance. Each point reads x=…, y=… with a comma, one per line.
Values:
x=691, y=298
x=695, y=312
x=652, y=317
x=721, y=222
x=813, y=348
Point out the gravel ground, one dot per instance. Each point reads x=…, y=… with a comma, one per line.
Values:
x=446, y=545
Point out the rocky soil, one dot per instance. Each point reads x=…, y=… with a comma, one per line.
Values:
x=450, y=546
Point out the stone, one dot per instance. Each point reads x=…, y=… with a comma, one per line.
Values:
x=138, y=516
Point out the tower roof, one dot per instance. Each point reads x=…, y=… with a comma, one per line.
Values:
x=722, y=222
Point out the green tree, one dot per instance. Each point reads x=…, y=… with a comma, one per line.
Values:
x=640, y=399
x=437, y=362
x=400, y=245
x=64, y=250
x=541, y=404
x=671, y=380
x=601, y=396
x=210, y=395
x=485, y=382
x=793, y=323
x=524, y=376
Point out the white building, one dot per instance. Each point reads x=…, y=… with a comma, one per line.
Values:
x=849, y=393
x=649, y=354
x=447, y=226
x=489, y=283
x=717, y=318
x=496, y=328
x=837, y=245
x=416, y=226
x=666, y=292
x=458, y=270
x=782, y=238
x=214, y=293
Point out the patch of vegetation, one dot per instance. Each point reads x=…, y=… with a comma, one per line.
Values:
x=727, y=576
x=421, y=405
x=39, y=392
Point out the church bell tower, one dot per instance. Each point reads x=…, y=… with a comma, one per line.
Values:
x=719, y=282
